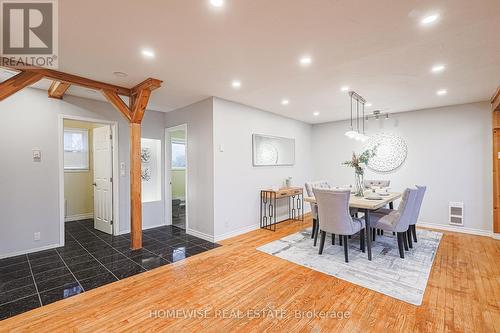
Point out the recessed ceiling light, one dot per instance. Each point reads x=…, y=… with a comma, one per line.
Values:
x=236, y=84
x=305, y=61
x=438, y=68
x=344, y=88
x=120, y=74
x=217, y=3
x=285, y=102
x=147, y=53
x=316, y=113
x=429, y=19
x=441, y=92
x=368, y=104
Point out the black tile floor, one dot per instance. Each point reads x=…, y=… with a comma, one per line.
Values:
x=88, y=260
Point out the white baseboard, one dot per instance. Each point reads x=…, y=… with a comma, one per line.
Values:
x=200, y=234
x=18, y=253
x=143, y=228
x=237, y=232
x=453, y=228
x=496, y=236
x=78, y=217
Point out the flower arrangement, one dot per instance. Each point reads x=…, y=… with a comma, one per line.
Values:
x=359, y=162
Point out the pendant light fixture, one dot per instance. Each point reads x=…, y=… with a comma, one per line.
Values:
x=359, y=133
x=351, y=133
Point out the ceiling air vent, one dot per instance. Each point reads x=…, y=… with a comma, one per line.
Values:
x=456, y=213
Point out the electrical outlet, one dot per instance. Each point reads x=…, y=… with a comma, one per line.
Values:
x=36, y=236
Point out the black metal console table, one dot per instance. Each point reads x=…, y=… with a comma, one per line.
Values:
x=268, y=206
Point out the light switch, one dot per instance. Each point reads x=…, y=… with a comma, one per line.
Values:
x=37, y=155
x=221, y=148
x=122, y=169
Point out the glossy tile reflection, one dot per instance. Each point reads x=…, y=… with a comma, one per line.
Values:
x=88, y=260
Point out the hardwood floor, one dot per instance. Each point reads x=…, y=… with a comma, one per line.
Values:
x=463, y=295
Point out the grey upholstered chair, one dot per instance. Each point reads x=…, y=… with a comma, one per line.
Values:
x=412, y=231
x=322, y=184
x=399, y=220
x=379, y=183
x=335, y=218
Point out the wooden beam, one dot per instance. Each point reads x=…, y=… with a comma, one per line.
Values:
x=67, y=78
x=118, y=103
x=16, y=83
x=135, y=186
x=150, y=84
x=58, y=89
x=141, y=102
x=495, y=100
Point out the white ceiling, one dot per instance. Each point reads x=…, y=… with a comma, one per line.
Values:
x=378, y=48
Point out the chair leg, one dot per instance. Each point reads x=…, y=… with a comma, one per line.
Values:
x=373, y=235
x=378, y=232
x=408, y=236
x=340, y=240
x=316, y=235
x=381, y=232
x=394, y=234
x=414, y=232
x=333, y=239
x=349, y=236
x=405, y=241
x=346, y=248
x=322, y=242
x=362, y=239
x=400, y=246
x=313, y=228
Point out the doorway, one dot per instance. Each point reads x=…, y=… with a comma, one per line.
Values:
x=88, y=165
x=177, y=176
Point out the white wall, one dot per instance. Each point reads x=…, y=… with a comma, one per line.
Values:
x=237, y=183
x=199, y=120
x=29, y=191
x=449, y=150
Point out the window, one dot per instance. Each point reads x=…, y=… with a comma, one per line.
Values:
x=76, y=149
x=178, y=154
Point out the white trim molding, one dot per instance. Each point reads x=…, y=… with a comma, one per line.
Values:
x=200, y=234
x=459, y=229
x=496, y=236
x=18, y=253
x=78, y=217
x=236, y=232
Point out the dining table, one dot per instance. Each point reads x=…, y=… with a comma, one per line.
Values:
x=367, y=206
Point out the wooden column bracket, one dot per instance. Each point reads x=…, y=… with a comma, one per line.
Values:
x=495, y=100
x=58, y=89
x=133, y=113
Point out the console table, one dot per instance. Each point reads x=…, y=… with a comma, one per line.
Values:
x=268, y=204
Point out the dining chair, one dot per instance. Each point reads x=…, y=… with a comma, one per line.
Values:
x=335, y=218
x=399, y=220
x=379, y=183
x=322, y=184
x=412, y=231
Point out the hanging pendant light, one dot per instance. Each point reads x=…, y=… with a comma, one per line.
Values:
x=359, y=133
x=350, y=133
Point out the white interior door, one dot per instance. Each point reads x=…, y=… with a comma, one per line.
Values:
x=103, y=184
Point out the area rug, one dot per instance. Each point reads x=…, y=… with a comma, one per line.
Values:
x=403, y=279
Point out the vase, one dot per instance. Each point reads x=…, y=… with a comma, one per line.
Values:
x=360, y=189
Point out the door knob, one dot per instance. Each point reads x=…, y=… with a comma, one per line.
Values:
x=95, y=184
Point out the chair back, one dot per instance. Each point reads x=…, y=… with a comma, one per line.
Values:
x=316, y=184
x=333, y=211
x=418, y=204
x=405, y=210
x=379, y=183
x=309, y=189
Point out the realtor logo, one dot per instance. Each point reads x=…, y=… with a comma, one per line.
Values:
x=29, y=33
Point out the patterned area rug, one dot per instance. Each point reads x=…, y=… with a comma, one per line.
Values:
x=403, y=279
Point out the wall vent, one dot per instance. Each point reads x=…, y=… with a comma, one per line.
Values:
x=456, y=216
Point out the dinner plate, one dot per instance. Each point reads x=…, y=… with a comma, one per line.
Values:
x=373, y=198
x=384, y=194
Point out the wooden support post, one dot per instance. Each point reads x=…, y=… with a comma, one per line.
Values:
x=495, y=106
x=135, y=186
